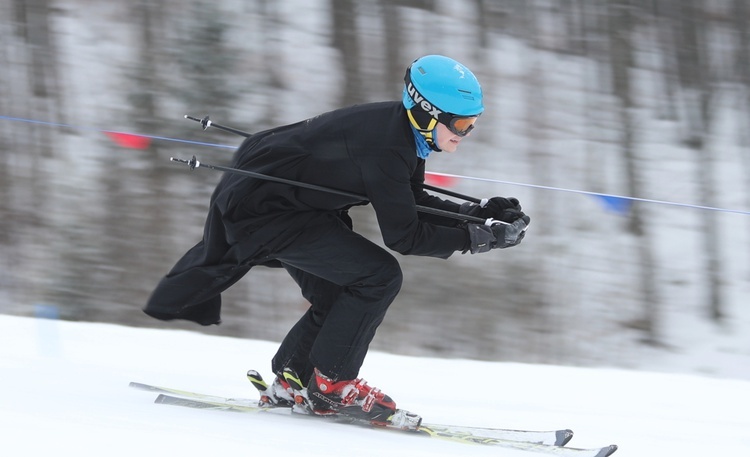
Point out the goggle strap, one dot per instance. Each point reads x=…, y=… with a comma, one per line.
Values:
x=430, y=126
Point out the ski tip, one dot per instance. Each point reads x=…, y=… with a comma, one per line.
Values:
x=563, y=437
x=607, y=451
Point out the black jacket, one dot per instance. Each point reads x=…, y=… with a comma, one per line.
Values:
x=366, y=150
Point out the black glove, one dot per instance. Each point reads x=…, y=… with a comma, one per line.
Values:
x=496, y=205
x=499, y=208
x=483, y=238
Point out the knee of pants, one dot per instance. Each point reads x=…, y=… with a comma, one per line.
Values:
x=318, y=316
x=390, y=277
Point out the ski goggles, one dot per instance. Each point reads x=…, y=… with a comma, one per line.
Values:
x=460, y=125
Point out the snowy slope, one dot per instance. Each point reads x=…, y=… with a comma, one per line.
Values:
x=65, y=389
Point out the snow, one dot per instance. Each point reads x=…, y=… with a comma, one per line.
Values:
x=65, y=389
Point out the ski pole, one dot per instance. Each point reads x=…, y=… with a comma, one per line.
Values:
x=451, y=193
x=206, y=122
x=194, y=163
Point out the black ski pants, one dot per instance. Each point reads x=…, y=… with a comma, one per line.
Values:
x=350, y=283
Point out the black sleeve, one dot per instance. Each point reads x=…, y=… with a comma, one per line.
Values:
x=423, y=198
x=389, y=189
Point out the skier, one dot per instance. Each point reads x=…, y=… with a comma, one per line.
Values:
x=377, y=150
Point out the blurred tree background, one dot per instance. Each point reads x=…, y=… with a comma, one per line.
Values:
x=642, y=98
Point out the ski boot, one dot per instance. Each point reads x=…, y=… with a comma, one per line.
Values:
x=357, y=400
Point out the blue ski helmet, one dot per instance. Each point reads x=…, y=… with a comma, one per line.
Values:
x=437, y=83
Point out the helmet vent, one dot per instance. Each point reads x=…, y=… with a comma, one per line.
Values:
x=466, y=94
x=422, y=70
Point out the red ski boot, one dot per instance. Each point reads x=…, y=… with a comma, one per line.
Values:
x=353, y=398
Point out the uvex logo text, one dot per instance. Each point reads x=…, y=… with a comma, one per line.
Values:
x=422, y=102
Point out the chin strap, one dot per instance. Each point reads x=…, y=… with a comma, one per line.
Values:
x=428, y=132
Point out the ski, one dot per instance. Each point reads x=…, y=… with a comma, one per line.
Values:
x=440, y=432
x=553, y=437
x=549, y=442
